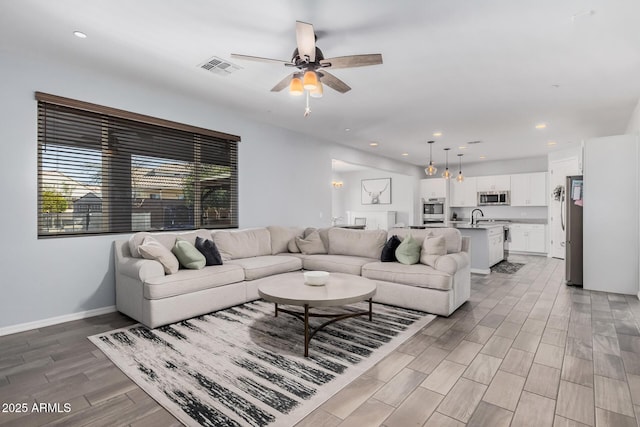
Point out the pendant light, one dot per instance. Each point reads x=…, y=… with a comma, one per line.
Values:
x=446, y=174
x=460, y=177
x=431, y=169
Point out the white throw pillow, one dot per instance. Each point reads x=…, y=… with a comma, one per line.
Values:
x=152, y=249
x=432, y=249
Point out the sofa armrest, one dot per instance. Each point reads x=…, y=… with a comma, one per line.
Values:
x=140, y=269
x=451, y=263
x=466, y=244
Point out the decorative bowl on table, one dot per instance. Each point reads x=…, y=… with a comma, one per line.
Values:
x=316, y=278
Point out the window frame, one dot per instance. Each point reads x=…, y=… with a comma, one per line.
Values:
x=217, y=141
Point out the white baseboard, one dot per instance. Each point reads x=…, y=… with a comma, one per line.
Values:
x=481, y=271
x=638, y=295
x=13, y=329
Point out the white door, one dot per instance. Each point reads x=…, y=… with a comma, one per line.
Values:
x=558, y=172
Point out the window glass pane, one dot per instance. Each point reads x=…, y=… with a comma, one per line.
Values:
x=70, y=190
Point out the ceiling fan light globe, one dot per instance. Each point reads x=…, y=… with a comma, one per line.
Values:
x=310, y=80
x=295, y=87
x=317, y=92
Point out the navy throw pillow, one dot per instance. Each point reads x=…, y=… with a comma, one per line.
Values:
x=209, y=250
x=389, y=249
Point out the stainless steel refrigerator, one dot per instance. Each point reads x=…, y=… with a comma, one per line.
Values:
x=573, y=198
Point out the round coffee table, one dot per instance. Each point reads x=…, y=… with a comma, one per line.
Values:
x=341, y=289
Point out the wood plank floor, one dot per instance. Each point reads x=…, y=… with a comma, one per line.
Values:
x=526, y=350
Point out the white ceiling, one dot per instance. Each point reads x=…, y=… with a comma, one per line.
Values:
x=475, y=70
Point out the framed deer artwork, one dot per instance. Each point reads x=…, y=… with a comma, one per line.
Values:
x=376, y=191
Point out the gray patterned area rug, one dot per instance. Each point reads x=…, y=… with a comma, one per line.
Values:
x=506, y=267
x=244, y=367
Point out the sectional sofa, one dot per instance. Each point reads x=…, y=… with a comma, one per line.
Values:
x=146, y=293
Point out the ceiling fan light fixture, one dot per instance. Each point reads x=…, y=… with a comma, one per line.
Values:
x=295, y=87
x=317, y=92
x=310, y=80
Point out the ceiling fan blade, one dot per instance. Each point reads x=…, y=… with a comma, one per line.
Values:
x=282, y=83
x=333, y=82
x=259, y=59
x=306, y=40
x=352, y=61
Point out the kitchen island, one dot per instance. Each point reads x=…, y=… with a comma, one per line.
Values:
x=487, y=244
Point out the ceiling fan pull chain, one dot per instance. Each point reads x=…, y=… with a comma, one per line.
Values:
x=307, y=111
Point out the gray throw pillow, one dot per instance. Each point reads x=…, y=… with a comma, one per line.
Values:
x=408, y=252
x=312, y=244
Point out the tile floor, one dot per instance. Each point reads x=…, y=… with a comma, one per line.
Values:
x=525, y=350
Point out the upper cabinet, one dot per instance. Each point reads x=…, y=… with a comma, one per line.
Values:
x=465, y=193
x=494, y=183
x=433, y=188
x=529, y=189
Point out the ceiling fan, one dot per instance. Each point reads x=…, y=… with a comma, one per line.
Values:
x=312, y=66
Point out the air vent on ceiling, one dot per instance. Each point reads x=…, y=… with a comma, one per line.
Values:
x=474, y=142
x=219, y=66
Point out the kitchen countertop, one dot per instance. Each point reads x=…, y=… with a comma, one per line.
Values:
x=503, y=220
x=464, y=226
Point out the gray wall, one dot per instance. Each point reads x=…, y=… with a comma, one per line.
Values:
x=506, y=167
x=285, y=178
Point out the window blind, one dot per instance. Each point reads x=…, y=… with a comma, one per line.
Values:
x=102, y=170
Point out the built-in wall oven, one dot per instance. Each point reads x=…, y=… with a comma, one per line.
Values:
x=433, y=210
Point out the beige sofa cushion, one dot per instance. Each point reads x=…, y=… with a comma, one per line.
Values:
x=281, y=236
x=243, y=244
x=419, y=275
x=336, y=263
x=364, y=243
x=263, y=266
x=187, y=281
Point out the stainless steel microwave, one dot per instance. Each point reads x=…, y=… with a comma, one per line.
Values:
x=489, y=198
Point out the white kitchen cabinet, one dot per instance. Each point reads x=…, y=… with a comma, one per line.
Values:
x=494, y=183
x=529, y=189
x=464, y=194
x=433, y=188
x=527, y=238
x=496, y=245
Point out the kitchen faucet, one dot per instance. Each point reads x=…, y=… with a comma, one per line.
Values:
x=474, y=221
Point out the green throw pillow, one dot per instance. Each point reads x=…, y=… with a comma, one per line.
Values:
x=409, y=251
x=188, y=255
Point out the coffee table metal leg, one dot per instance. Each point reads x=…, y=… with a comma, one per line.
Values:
x=370, y=309
x=306, y=330
x=276, y=304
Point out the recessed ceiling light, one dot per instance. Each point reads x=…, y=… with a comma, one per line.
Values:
x=373, y=144
x=541, y=126
x=550, y=143
x=405, y=154
x=437, y=134
x=483, y=157
x=347, y=129
x=80, y=34
x=462, y=147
